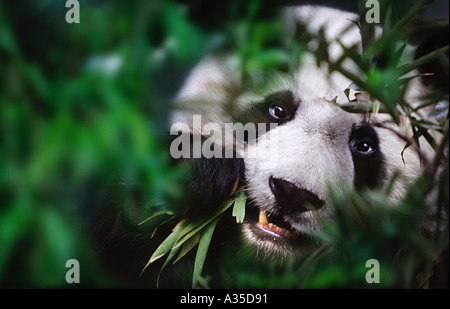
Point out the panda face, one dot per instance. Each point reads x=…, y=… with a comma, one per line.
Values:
x=289, y=169
x=315, y=145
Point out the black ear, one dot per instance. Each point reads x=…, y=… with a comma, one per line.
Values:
x=212, y=182
x=431, y=42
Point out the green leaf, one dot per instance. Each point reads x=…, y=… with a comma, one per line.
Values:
x=428, y=137
x=171, y=255
x=188, y=246
x=362, y=107
x=197, y=225
x=347, y=93
x=406, y=68
x=167, y=245
x=156, y=214
x=431, y=101
x=202, y=250
x=239, y=207
x=184, y=232
x=387, y=20
x=410, y=15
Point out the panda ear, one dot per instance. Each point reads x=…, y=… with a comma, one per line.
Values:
x=212, y=182
x=434, y=40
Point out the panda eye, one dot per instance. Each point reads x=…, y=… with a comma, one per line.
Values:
x=363, y=146
x=278, y=112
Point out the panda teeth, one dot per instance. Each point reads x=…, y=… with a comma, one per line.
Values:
x=265, y=224
x=263, y=219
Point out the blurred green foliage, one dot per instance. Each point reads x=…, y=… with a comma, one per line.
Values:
x=83, y=106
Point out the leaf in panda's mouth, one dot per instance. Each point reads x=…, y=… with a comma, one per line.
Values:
x=189, y=233
x=263, y=222
x=239, y=208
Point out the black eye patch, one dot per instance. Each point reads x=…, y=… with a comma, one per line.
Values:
x=279, y=108
x=364, y=145
x=364, y=141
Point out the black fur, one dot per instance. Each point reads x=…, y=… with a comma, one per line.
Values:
x=212, y=183
x=124, y=246
x=259, y=111
x=369, y=171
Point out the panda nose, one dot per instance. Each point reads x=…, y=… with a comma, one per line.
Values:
x=291, y=198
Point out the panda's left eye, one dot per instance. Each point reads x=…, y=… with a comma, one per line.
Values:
x=363, y=146
x=278, y=112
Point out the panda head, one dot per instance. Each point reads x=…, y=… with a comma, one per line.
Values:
x=286, y=172
x=290, y=168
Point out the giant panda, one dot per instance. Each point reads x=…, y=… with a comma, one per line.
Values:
x=308, y=144
x=316, y=143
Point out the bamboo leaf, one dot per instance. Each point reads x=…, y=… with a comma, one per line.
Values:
x=166, y=245
x=171, y=255
x=157, y=214
x=202, y=251
x=412, y=14
x=430, y=101
x=186, y=233
x=239, y=207
x=347, y=93
x=406, y=68
x=428, y=137
x=193, y=228
x=161, y=224
x=399, y=53
x=188, y=246
x=387, y=20
x=361, y=107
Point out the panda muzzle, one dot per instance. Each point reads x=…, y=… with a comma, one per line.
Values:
x=291, y=199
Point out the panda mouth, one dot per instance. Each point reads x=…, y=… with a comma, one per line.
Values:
x=267, y=224
x=276, y=233
x=270, y=226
